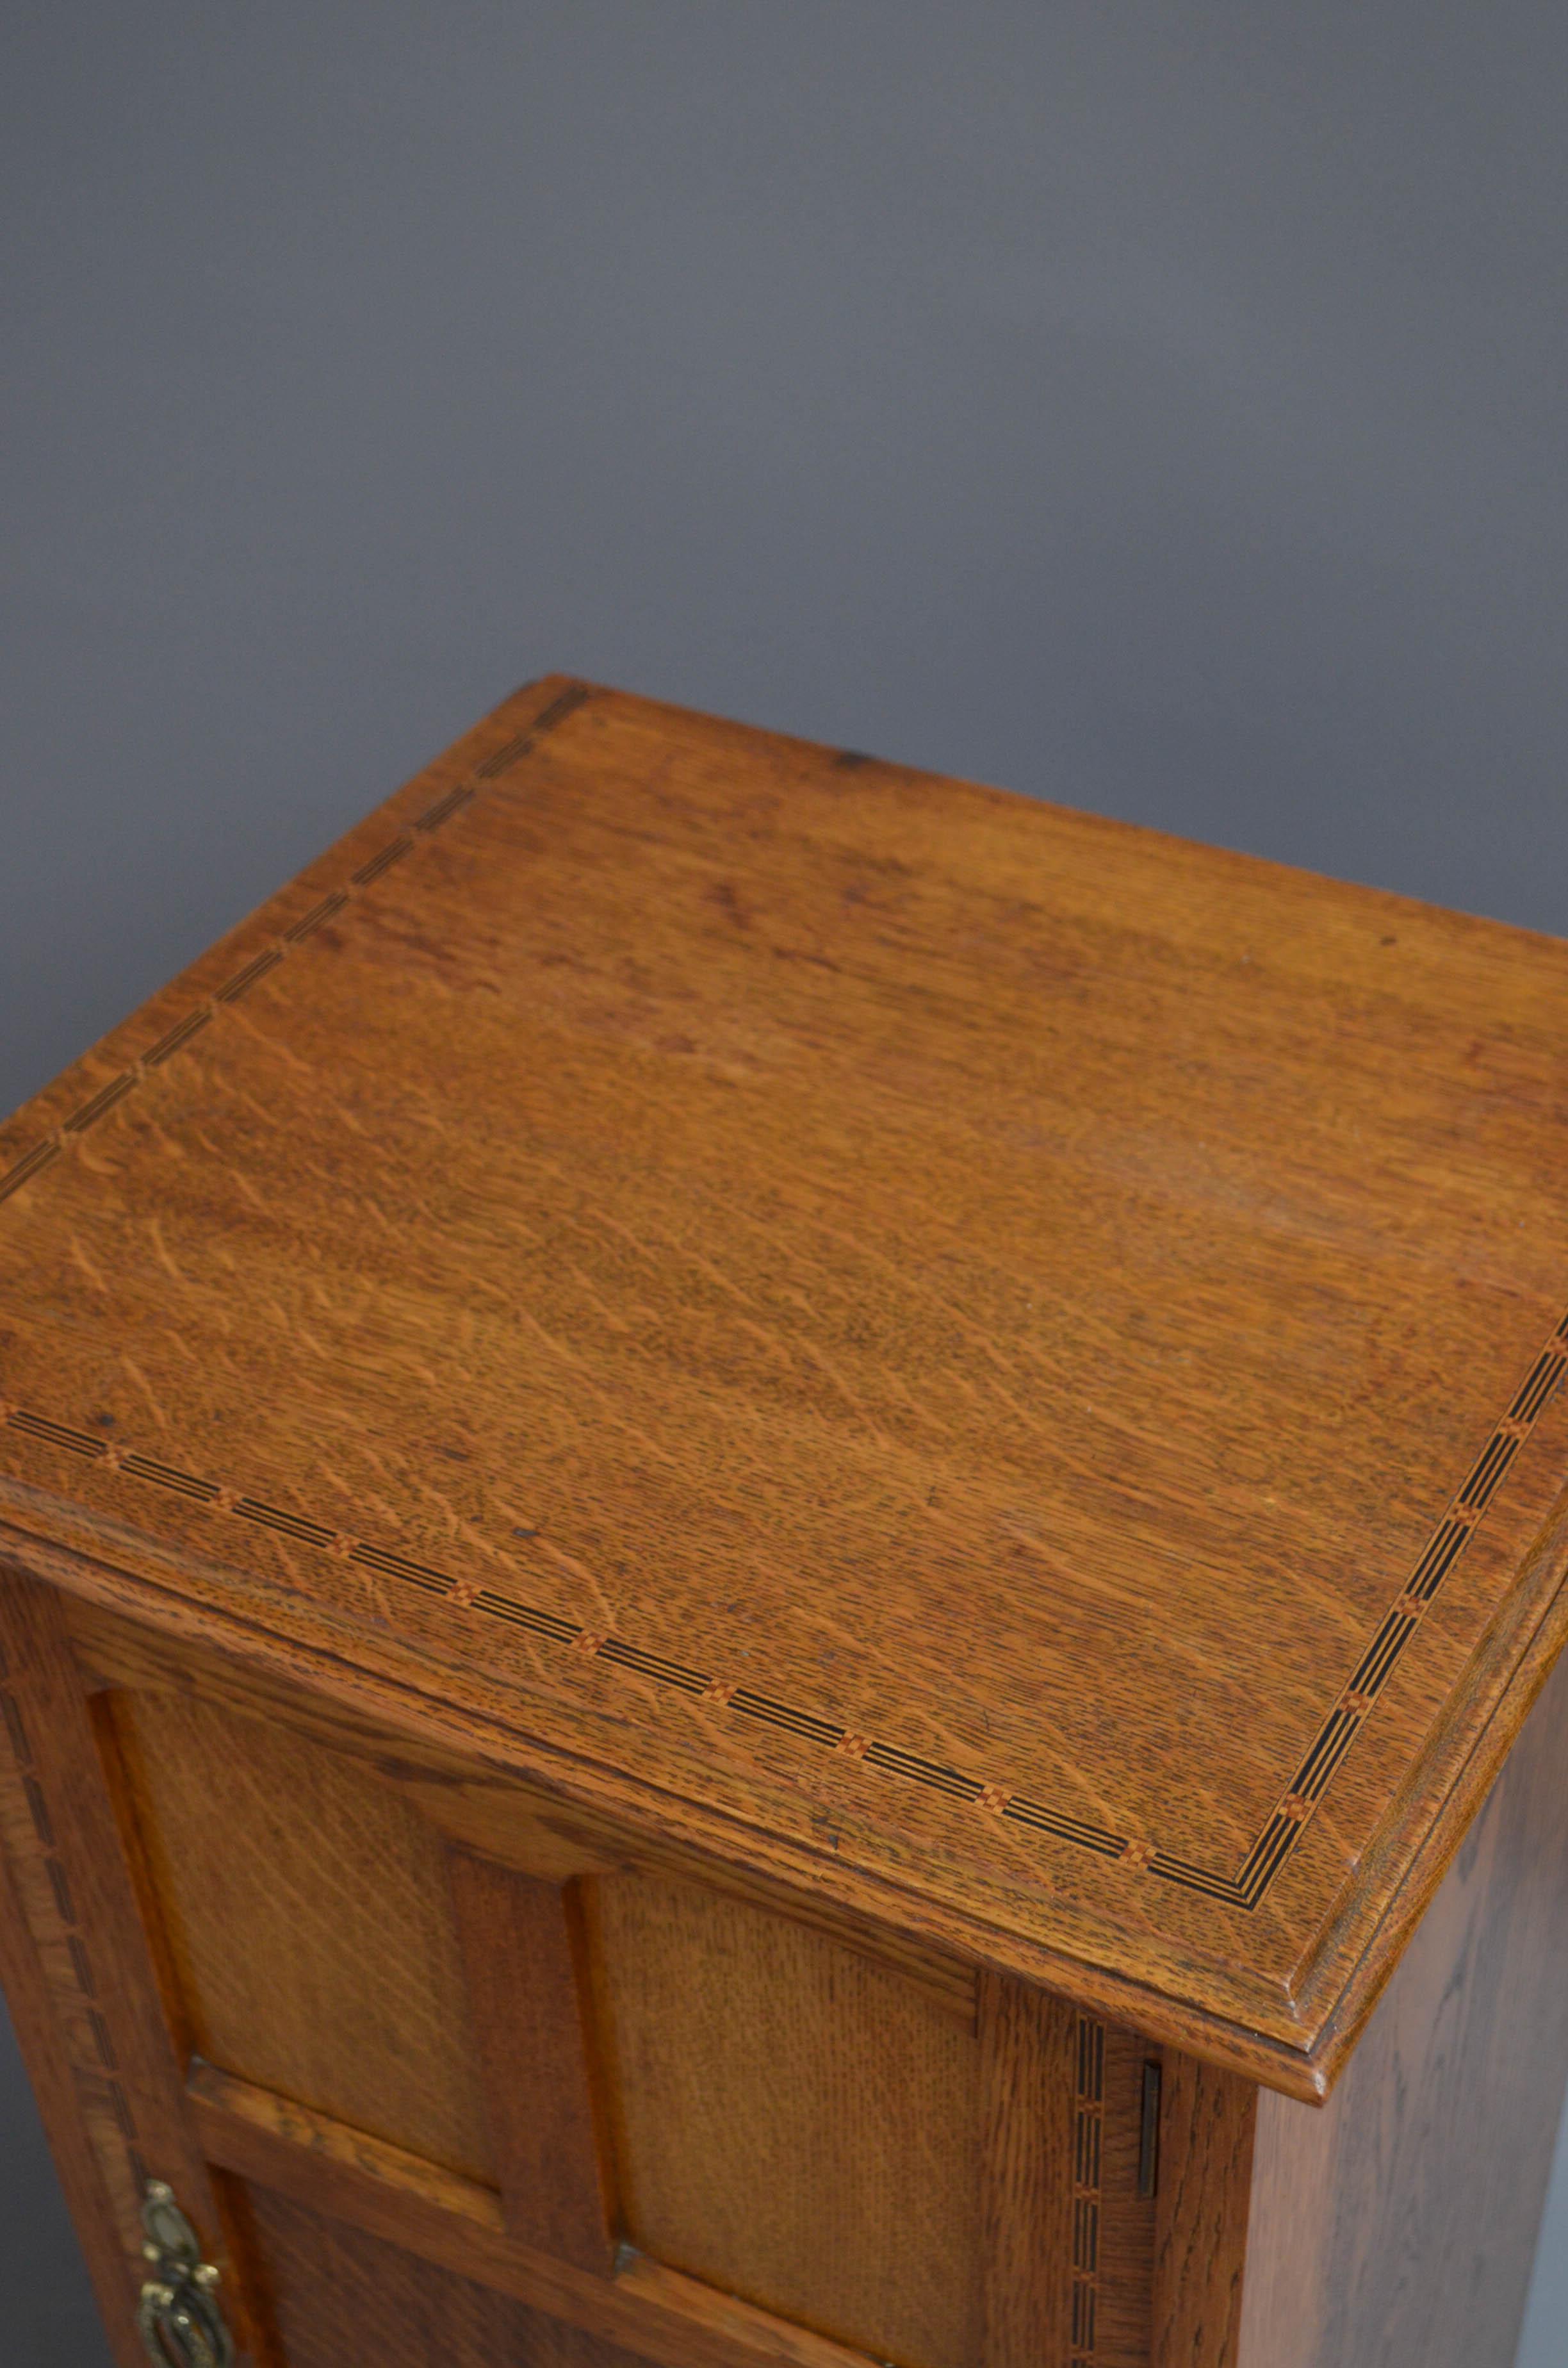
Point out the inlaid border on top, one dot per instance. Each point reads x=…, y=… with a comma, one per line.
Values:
x=1308, y=1787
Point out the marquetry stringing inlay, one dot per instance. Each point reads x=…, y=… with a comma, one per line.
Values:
x=985, y=1796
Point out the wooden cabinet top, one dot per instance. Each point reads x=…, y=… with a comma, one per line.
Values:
x=992, y=1366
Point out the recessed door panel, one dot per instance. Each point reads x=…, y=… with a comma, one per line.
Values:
x=501, y=2089
x=791, y=2121
x=307, y=1915
x=339, y=2299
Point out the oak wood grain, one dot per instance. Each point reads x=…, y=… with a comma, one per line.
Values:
x=1209, y=2120
x=942, y=1415
x=306, y=1911
x=791, y=2123
x=1008, y=1358
x=1448, y=2085
x=339, y=2297
x=479, y=1806
x=1127, y=2214
x=1399, y=2222
x=1030, y=2091
x=457, y=2224
x=912, y=1934
x=527, y=1983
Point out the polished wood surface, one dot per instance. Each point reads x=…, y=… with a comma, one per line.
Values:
x=1398, y=2223
x=792, y=2122
x=1125, y=2241
x=808, y=2153
x=1042, y=2099
x=337, y=2297
x=527, y=1983
x=1200, y=2255
x=764, y=1529
x=1007, y=1359
x=775, y=2092
x=476, y=1805
x=697, y=2125
x=306, y=1913
x=446, y=2221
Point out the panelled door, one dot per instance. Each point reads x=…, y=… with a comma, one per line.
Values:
x=444, y=2073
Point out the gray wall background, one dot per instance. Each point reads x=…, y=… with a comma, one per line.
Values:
x=1160, y=409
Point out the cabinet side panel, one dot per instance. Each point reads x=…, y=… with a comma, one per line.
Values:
x=308, y=1921
x=792, y=2122
x=1398, y=2221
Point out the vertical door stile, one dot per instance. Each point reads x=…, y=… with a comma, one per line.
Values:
x=1028, y=2047
x=522, y=1945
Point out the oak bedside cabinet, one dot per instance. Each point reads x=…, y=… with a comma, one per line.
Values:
x=781, y=1547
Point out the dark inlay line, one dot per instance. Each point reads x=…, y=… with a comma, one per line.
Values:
x=272, y=1516
x=1439, y=1559
x=1481, y=1486
x=37, y=1157
x=507, y=754
x=650, y=1664
x=1072, y=1829
x=922, y=1771
x=58, y=1434
x=308, y=923
x=777, y=1714
x=173, y=1038
x=524, y=1615
x=38, y=1810
x=168, y=1475
x=1377, y=1664
x=1333, y=1740
x=1544, y=1377
x=244, y=980
x=545, y=721
x=1086, y=2151
x=374, y=865
x=444, y=808
x=1182, y=1870
x=1091, y=2060
x=104, y=1099
x=1273, y=1844
x=413, y=1573
x=1149, y=2131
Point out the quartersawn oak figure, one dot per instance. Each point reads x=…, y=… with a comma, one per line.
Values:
x=765, y=1525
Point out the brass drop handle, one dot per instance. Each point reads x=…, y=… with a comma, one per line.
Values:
x=181, y=2324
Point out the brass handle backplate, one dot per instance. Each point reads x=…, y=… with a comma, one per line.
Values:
x=181, y=2324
